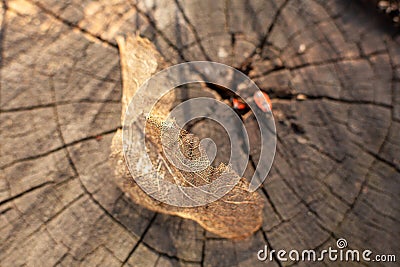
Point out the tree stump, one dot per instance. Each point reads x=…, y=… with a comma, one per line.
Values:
x=331, y=68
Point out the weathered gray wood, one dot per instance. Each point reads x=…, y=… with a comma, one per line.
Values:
x=336, y=105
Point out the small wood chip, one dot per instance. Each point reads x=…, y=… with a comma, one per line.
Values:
x=302, y=49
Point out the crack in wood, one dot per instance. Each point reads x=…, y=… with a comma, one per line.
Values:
x=140, y=241
x=153, y=23
x=34, y=188
x=246, y=64
x=72, y=25
x=193, y=29
x=60, y=103
x=41, y=155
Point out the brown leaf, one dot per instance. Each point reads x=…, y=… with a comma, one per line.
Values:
x=238, y=214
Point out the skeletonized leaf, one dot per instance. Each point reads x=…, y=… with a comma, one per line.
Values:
x=236, y=215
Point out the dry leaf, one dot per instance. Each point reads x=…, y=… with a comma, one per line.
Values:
x=238, y=214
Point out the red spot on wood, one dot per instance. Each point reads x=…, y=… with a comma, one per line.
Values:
x=238, y=104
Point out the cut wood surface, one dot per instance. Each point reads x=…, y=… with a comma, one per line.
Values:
x=331, y=68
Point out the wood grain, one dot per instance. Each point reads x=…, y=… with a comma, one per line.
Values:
x=336, y=105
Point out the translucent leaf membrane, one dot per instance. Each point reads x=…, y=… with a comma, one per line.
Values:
x=236, y=215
